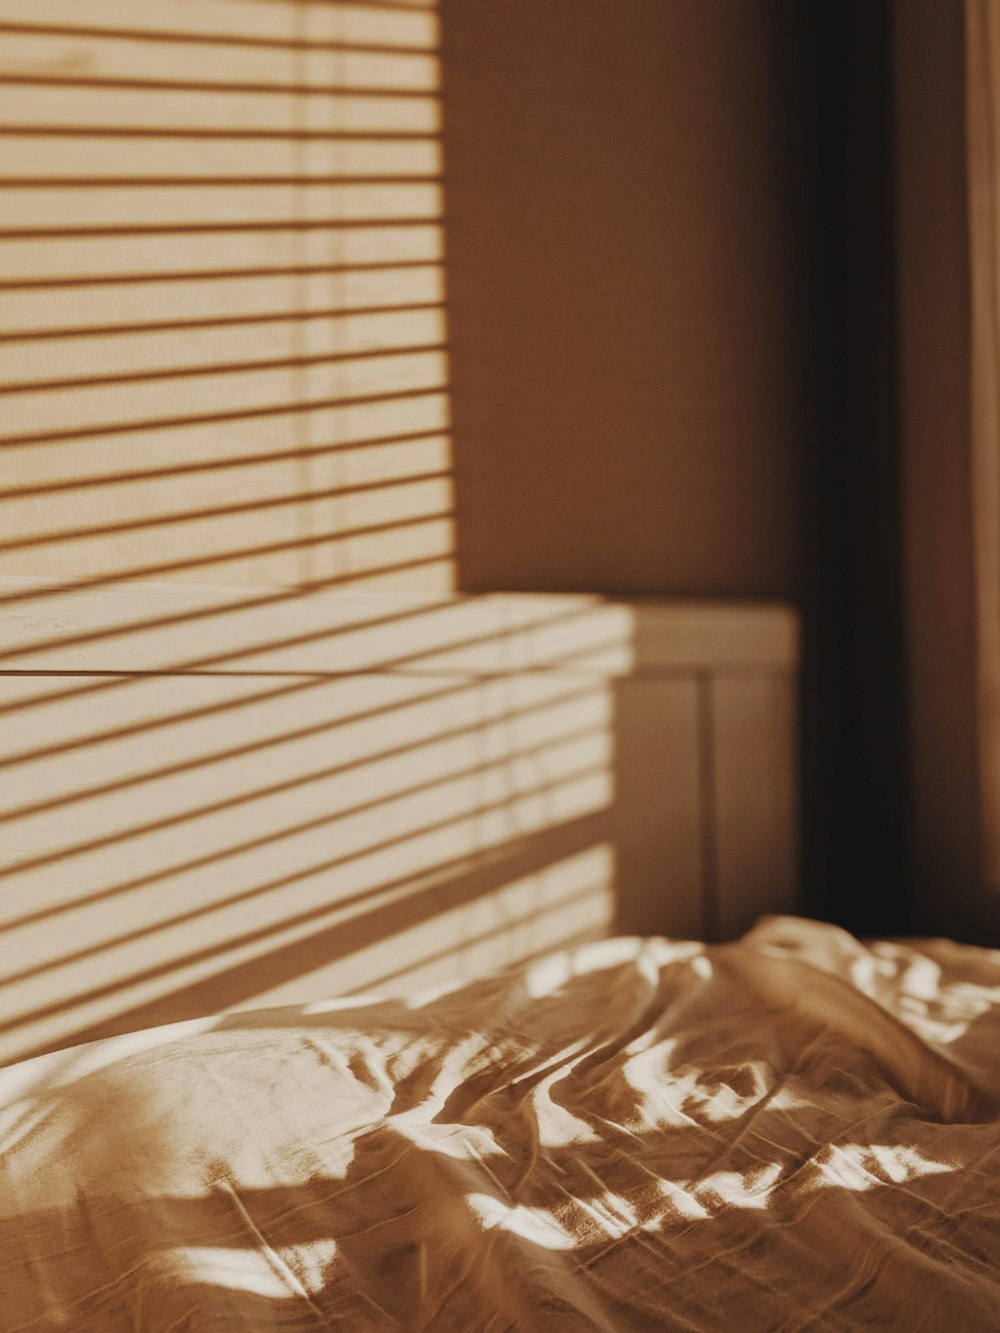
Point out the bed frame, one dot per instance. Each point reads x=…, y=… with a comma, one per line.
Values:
x=226, y=797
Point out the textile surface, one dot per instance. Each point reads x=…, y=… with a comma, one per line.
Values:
x=795, y=1131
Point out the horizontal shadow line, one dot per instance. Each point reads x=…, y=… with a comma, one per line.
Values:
x=584, y=936
x=477, y=875
x=212, y=182
x=56, y=130
x=209, y=275
x=100, y=481
x=256, y=747
x=328, y=864
x=200, y=370
x=199, y=666
x=297, y=498
x=343, y=90
x=202, y=664
x=304, y=681
x=216, y=418
x=287, y=316
x=353, y=578
x=751, y=671
x=209, y=664
x=178, y=36
x=139, y=572
x=404, y=665
x=397, y=6
x=264, y=226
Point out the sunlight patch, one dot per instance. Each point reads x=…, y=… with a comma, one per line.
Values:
x=865, y=1166
x=236, y=1270
x=529, y=1223
x=736, y=1189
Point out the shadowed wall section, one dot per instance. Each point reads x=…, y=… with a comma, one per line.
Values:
x=625, y=277
x=254, y=748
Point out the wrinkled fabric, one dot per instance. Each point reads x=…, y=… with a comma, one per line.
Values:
x=791, y=1132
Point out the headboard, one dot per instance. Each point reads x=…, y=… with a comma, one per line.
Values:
x=224, y=797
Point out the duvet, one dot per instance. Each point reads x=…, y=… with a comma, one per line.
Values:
x=794, y=1131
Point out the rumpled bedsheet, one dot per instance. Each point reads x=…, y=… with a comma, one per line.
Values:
x=794, y=1131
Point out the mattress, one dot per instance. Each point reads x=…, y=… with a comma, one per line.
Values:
x=793, y=1131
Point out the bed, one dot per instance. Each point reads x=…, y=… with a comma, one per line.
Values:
x=258, y=752
x=215, y=798
x=792, y=1131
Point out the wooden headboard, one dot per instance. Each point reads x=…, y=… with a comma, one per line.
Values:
x=224, y=797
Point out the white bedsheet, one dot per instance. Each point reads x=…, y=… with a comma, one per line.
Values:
x=789, y=1132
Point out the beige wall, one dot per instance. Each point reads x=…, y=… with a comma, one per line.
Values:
x=621, y=222
x=226, y=359
x=245, y=267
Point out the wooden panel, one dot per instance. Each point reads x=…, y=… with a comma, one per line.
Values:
x=657, y=814
x=163, y=831
x=286, y=795
x=753, y=728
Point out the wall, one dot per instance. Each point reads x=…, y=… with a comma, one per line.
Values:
x=287, y=364
x=934, y=267
x=238, y=250
x=220, y=226
x=623, y=291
